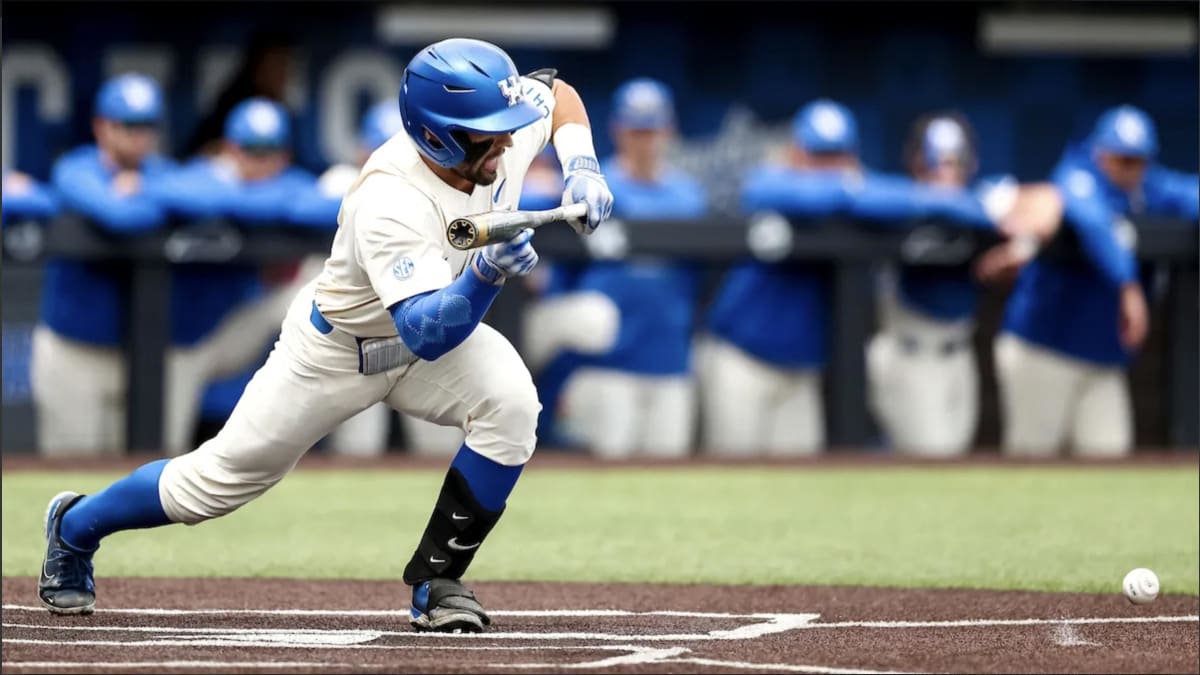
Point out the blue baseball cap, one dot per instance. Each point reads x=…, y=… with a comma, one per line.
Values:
x=382, y=121
x=825, y=126
x=131, y=98
x=945, y=138
x=258, y=123
x=643, y=103
x=1126, y=130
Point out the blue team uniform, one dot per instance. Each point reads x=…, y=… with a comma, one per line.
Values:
x=655, y=298
x=778, y=312
x=1088, y=291
x=34, y=201
x=87, y=301
x=944, y=293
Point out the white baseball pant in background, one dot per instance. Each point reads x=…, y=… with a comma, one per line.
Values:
x=751, y=408
x=79, y=394
x=1048, y=399
x=620, y=414
x=924, y=382
x=310, y=384
x=585, y=322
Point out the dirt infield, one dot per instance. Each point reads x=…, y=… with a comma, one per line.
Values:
x=279, y=625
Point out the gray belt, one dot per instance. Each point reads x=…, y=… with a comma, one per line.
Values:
x=375, y=355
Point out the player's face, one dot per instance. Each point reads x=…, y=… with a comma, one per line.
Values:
x=127, y=144
x=642, y=145
x=482, y=163
x=827, y=161
x=947, y=173
x=256, y=164
x=1124, y=171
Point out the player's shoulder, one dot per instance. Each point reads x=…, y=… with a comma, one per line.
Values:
x=379, y=195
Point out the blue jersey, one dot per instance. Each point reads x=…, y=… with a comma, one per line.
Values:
x=88, y=301
x=779, y=312
x=203, y=294
x=1073, y=307
x=945, y=293
x=655, y=298
x=33, y=201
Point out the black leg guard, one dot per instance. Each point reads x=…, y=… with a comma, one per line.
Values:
x=455, y=531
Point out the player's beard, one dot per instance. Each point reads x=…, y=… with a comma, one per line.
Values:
x=474, y=166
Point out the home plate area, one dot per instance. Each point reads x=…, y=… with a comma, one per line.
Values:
x=283, y=625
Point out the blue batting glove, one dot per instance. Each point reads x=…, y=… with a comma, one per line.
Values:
x=513, y=258
x=585, y=183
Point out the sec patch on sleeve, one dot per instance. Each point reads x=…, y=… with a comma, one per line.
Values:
x=403, y=268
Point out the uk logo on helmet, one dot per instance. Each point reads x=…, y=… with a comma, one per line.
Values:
x=511, y=88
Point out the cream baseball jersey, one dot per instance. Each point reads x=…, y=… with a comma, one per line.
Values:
x=391, y=240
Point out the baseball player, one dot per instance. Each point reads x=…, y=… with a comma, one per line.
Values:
x=762, y=361
x=26, y=198
x=224, y=315
x=366, y=434
x=77, y=369
x=921, y=366
x=638, y=397
x=395, y=316
x=1070, y=329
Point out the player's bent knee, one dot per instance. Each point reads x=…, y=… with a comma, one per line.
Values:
x=195, y=487
x=503, y=426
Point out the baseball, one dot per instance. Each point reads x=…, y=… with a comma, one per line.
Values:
x=1140, y=586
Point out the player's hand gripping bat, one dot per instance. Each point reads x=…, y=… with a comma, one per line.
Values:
x=486, y=228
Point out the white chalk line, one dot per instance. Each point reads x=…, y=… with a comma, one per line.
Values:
x=770, y=624
x=992, y=623
x=173, y=664
x=584, y=613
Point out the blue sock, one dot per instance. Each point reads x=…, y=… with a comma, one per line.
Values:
x=490, y=481
x=131, y=503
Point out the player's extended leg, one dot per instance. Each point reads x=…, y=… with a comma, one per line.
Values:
x=795, y=424
x=603, y=406
x=309, y=384
x=482, y=386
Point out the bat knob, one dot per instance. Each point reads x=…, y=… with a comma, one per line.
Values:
x=461, y=233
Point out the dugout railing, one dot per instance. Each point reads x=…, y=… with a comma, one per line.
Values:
x=852, y=251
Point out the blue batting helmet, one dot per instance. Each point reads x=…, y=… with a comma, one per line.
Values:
x=643, y=103
x=825, y=126
x=1126, y=130
x=381, y=122
x=131, y=98
x=461, y=85
x=258, y=123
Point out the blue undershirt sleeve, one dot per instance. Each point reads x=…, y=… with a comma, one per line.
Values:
x=433, y=323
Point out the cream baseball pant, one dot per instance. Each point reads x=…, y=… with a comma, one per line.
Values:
x=620, y=414
x=924, y=383
x=79, y=395
x=310, y=384
x=1048, y=400
x=366, y=435
x=585, y=322
x=752, y=408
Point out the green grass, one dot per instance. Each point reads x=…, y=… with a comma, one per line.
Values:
x=1045, y=528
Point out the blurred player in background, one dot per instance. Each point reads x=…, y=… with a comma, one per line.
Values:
x=366, y=434
x=24, y=197
x=561, y=324
x=395, y=315
x=77, y=369
x=1072, y=328
x=223, y=314
x=639, y=397
x=768, y=324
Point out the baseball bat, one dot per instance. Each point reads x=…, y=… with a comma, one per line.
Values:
x=486, y=228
